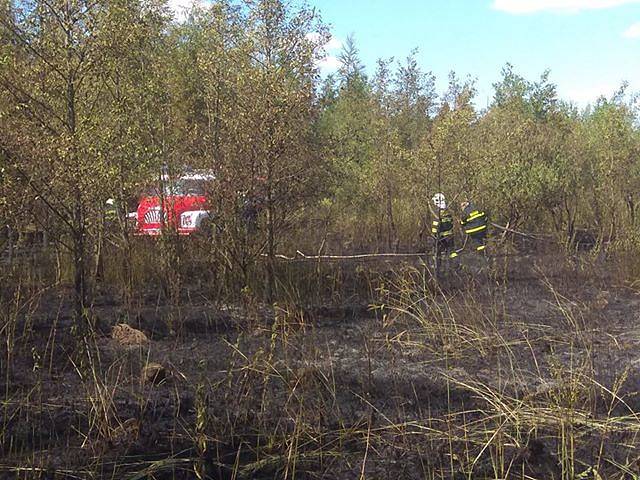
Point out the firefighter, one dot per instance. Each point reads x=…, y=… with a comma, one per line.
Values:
x=442, y=227
x=111, y=211
x=474, y=224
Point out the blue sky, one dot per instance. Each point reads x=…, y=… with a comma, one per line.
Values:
x=590, y=46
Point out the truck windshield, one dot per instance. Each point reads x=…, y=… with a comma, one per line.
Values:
x=180, y=187
x=185, y=187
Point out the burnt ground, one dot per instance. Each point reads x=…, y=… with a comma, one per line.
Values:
x=527, y=369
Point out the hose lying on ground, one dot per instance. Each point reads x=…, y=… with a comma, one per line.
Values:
x=302, y=256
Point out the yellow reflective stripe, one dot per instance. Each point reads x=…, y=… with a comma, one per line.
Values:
x=444, y=220
x=477, y=229
x=446, y=233
x=475, y=215
x=453, y=255
x=434, y=230
x=480, y=248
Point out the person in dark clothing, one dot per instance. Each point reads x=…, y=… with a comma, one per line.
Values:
x=474, y=224
x=252, y=203
x=250, y=214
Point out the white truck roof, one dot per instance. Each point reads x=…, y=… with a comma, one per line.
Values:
x=198, y=175
x=193, y=175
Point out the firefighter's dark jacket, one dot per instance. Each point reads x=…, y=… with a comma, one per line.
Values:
x=474, y=221
x=442, y=226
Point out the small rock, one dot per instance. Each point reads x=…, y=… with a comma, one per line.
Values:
x=153, y=373
x=127, y=336
x=602, y=300
x=126, y=432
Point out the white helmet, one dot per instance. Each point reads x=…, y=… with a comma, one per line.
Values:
x=439, y=201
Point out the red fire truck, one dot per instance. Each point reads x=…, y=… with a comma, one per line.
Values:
x=180, y=205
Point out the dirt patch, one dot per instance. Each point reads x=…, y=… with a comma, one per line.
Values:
x=127, y=336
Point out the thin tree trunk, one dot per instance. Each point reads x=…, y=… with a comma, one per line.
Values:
x=78, y=233
x=80, y=280
x=631, y=208
x=391, y=226
x=271, y=249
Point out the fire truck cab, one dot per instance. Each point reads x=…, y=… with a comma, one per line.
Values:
x=177, y=204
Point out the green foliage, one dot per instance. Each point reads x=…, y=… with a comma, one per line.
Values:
x=96, y=100
x=530, y=159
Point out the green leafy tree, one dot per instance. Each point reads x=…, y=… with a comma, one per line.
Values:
x=520, y=138
x=610, y=143
x=58, y=79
